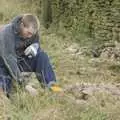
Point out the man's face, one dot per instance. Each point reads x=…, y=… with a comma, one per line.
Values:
x=26, y=31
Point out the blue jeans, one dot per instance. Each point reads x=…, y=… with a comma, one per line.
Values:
x=40, y=64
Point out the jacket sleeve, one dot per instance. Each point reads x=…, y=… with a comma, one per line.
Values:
x=7, y=52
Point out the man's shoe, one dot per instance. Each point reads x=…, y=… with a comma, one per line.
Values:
x=56, y=88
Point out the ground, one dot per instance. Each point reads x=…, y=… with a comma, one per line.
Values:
x=75, y=70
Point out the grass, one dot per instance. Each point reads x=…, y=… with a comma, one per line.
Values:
x=70, y=69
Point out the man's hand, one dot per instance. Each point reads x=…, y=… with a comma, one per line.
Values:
x=31, y=90
x=31, y=51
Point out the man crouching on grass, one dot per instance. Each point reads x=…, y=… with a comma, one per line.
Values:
x=20, y=52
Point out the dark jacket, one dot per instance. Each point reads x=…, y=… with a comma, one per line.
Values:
x=12, y=46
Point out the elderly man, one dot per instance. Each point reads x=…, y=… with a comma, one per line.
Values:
x=20, y=52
